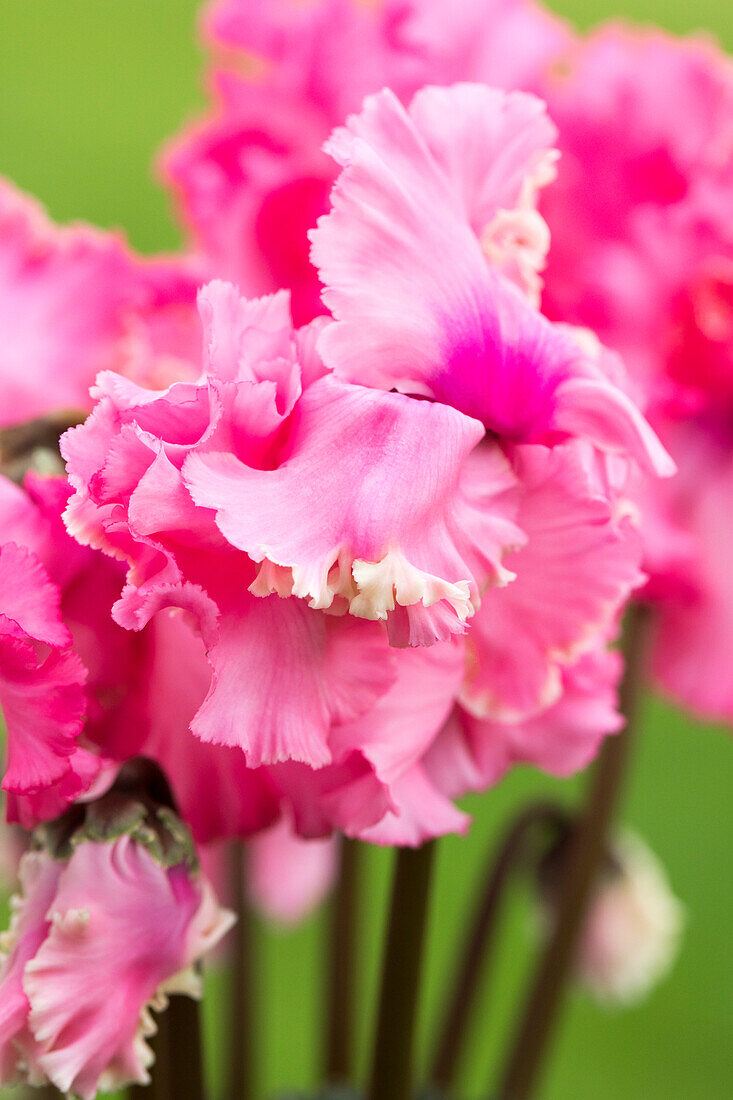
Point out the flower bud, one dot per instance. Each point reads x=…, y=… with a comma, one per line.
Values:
x=112, y=917
x=633, y=927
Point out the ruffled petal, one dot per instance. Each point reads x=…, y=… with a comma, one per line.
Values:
x=41, y=680
x=365, y=505
x=85, y=772
x=29, y=601
x=43, y=704
x=283, y=674
x=218, y=795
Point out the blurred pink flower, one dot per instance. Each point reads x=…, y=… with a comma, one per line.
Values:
x=643, y=254
x=74, y=301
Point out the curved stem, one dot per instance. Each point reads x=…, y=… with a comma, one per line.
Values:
x=341, y=962
x=507, y=858
x=585, y=853
x=241, y=1021
x=392, y=1068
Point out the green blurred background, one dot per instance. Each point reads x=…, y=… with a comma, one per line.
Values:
x=88, y=91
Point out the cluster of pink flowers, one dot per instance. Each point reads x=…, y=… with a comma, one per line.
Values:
x=368, y=475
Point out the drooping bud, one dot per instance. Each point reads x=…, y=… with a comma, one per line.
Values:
x=112, y=917
x=633, y=928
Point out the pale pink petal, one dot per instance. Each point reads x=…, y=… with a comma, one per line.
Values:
x=289, y=877
x=579, y=565
x=473, y=754
x=39, y=875
x=397, y=731
x=497, y=151
x=282, y=674
x=588, y=409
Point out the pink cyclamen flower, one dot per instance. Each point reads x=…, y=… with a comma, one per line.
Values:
x=101, y=934
x=644, y=185
x=289, y=509
x=632, y=931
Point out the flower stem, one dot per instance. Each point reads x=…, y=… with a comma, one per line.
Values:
x=586, y=847
x=178, y=1072
x=505, y=860
x=241, y=1021
x=392, y=1065
x=185, y=1050
x=341, y=962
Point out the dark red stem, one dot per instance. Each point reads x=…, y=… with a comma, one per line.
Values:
x=341, y=961
x=506, y=859
x=392, y=1073
x=241, y=1083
